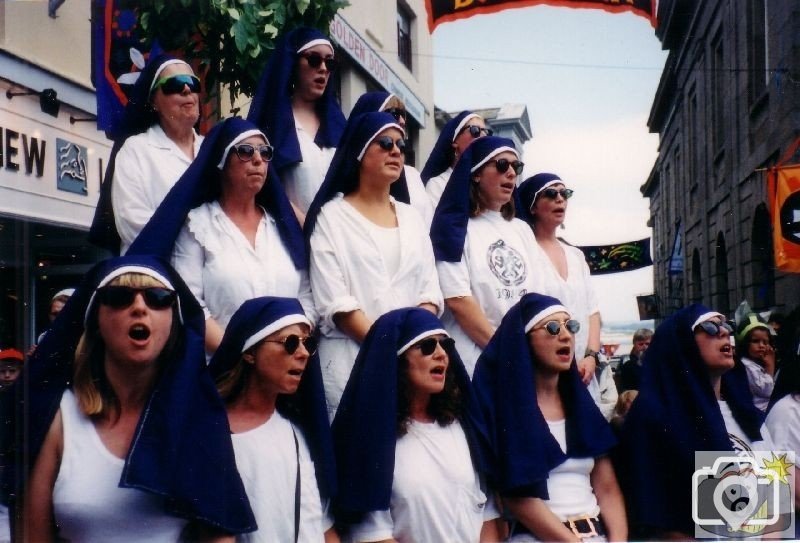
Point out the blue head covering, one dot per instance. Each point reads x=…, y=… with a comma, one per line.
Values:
x=449, y=225
x=441, y=157
x=181, y=449
x=136, y=119
x=675, y=414
x=201, y=183
x=343, y=174
x=365, y=427
x=271, y=108
x=376, y=101
x=252, y=322
x=529, y=189
x=519, y=449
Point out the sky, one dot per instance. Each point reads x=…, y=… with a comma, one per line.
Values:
x=588, y=79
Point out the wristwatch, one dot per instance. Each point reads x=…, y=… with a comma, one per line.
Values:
x=594, y=354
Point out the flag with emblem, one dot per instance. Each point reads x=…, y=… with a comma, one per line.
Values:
x=784, y=195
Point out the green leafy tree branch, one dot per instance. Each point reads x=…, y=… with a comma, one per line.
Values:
x=231, y=39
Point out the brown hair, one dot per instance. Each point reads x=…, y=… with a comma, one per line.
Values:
x=94, y=393
x=445, y=407
x=393, y=101
x=477, y=204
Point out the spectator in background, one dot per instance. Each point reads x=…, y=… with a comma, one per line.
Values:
x=631, y=371
x=10, y=367
x=754, y=350
x=624, y=403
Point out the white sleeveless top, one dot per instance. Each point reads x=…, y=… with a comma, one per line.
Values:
x=87, y=501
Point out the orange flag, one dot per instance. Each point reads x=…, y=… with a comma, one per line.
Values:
x=784, y=196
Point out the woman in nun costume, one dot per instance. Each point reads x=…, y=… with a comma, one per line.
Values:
x=405, y=453
x=295, y=103
x=455, y=137
x=485, y=258
x=128, y=440
x=268, y=375
x=229, y=228
x=692, y=397
x=369, y=253
x=545, y=442
x=154, y=144
x=410, y=181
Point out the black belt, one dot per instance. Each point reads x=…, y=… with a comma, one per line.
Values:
x=582, y=526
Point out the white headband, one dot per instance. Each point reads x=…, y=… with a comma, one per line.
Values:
x=273, y=327
x=313, y=43
x=463, y=123
x=241, y=137
x=492, y=155
x=122, y=271
x=161, y=69
x=375, y=135
x=548, y=184
x=63, y=292
x=426, y=333
x=707, y=316
x=546, y=312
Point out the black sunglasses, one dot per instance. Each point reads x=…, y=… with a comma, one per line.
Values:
x=554, y=327
x=315, y=60
x=246, y=151
x=502, y=165
x=387, y=144
x=396, y=112
x=174, y=84
x=292, y=342
x=475, y=131
x=120, y=297
x=552, y=194
x=713, y=328
x=428, y=345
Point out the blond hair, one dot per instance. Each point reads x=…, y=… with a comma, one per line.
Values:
x=95, y=396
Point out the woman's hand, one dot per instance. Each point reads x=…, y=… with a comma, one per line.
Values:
x=586, y=367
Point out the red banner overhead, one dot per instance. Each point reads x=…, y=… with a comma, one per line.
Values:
x=443, y=11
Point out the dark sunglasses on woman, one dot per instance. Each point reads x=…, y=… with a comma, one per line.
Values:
x=428, y=345
x=502, y=165
x=713, y=328
x=396, y=112
x=315, y=60
x=246, y=151
x=475, y=131
x=174, y=84
x=387, y=143
x=292, y=342
x=554, y=327
x=120, y=297
x=552, y=194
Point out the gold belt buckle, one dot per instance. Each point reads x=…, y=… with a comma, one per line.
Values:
x=589, y=522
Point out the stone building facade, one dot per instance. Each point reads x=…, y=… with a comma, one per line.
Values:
x=727, y=107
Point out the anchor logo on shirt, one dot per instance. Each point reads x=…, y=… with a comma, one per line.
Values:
x=506, y=263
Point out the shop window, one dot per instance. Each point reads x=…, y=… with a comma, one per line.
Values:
x=757, y=49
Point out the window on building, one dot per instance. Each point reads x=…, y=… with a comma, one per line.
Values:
x=721, y=298
x=405, y=18
x=697, y=278
x=757, y=48
x=763, y=264
x=691, y=134
x=718, y=94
